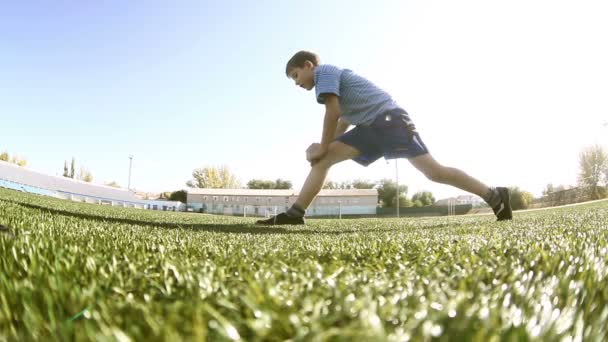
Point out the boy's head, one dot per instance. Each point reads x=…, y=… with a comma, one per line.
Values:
x=300, y=68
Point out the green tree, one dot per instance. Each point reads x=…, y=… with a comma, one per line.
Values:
x=260, y=184
x=180, y=195
x=387, y=191
x=113, y=184
x=21, y=162
x=329, y=184
x=425, y=197
x=417, y=203
x=214, y=178
x=282, y=184
x=85, y=175
x=363, y=184
x=593, y=163
x=4, y=156
x=65, y=168
x=520, y=199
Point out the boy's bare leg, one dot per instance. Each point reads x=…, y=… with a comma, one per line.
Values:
x=449, y=175
x=336, y=152
x=498, y=198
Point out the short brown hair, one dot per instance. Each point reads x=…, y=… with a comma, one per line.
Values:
x=298, y=60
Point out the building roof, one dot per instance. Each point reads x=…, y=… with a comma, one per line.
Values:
x=273, y=192
x=23, y=175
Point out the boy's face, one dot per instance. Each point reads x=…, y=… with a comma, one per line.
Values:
x=304, y=76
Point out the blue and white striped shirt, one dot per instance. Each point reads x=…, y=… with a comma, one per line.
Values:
x=361, y=101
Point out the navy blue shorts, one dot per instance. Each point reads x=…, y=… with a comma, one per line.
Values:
x=392, y=135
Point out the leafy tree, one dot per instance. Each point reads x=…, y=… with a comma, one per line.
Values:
x=4, y=156
x=214, y=178
x=549, y=189
x=417, y=203
x=520, y=199
x=329, y=184
x=65, y=168
x=85, y=175
x=425, y=197
x=260, y=184
x=354, y=184
x=405, y=202
x=387, y=191
x=21, y=162
x=180, y=195
x=282, y=184
x=113, y=184
x=268, y=184
x=363, y=184
x=593, y=165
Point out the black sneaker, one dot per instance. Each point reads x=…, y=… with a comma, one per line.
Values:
x=281, y=219
x=503, y=209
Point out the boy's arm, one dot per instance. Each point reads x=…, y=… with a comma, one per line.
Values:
x=341, y=128
x=330, y=123
x=315, y=152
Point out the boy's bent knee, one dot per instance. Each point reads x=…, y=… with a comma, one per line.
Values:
x=324, y=163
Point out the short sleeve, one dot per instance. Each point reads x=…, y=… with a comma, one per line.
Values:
x=327, y=81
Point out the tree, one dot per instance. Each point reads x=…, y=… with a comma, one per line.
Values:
x=520, y=199
x=282, y=184
x=180, y=195
x=214, y=178
x=85, y=175
x=387, y=189
x=549, y=189
x=363, y=184
x=113, y=184
x=268, y=184
x=72, y=168
x=593, y=165
x=65, y=168
x=354, y=184
x=260, y=184
x=329, y=184
x=4, y=156
x=21, y=162
x=425, y=198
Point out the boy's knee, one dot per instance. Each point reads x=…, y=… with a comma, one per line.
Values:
x=324, y=163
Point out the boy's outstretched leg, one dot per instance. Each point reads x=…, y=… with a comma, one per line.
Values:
x=336, y=152
x=499, y=199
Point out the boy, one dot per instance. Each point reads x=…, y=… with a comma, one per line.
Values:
x=383, y=129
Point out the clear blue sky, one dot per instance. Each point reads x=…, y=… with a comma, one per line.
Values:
x=187, y=84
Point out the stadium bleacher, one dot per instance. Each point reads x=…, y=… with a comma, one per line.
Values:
x=22, y=179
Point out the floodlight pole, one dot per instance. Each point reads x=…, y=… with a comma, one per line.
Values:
x=130, y=165
x=397, y=180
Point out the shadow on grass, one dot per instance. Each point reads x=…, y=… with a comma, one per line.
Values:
x=244, y=228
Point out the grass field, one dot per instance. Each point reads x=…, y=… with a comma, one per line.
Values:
x=74, y=271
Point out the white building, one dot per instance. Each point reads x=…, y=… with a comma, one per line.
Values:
x=462, y=199
x=270, y=202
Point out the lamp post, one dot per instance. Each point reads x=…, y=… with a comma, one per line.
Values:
x=130, y=165
x=397, y=180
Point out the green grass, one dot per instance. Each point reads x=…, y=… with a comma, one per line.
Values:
x=84, y=272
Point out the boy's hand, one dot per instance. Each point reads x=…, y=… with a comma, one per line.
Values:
x=315, y=152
